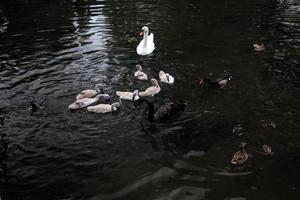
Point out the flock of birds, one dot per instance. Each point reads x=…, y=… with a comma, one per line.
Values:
x=88, y=97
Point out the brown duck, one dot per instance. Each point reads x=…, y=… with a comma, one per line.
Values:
x=240, y=156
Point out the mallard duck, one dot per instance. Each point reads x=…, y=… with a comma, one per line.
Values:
x=221, y=82
x=151, y=91
x=164, y=112
x=131, y=96
x=139, y=74
x=240, y=156
x=82, y=103
x=89, y=93
x=259, y=47
x=166, y=77
x=146, y=46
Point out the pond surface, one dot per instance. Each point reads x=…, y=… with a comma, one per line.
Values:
x=51, y=50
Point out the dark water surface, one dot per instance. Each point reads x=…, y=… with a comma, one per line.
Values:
x=51, y=50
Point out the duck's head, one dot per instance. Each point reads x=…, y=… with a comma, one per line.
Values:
x=145, y=29
x=139, y=67
x=201, y=81
x=115, y=106
x=135, y=95
x=243, y=145
x=154, y=82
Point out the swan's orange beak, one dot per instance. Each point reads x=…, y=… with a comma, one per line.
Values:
x=141, y=33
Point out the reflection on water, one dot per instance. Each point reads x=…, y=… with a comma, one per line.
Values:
x=51, y=50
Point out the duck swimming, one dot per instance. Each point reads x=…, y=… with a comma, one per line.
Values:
x=131, y=96
x=221, y=82
x=82, y=103
x=146, y=46
x=240, y=156
x=152, y=90
x=165, y=112
x=89, y=93
x=139, y=74
x=166, y=77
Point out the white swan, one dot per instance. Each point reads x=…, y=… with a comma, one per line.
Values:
x=166, y=77
x=81, y=103
x=146, y=46
x=104, y=108
x=139, y=74
x=151, y=91
x=131, y=96
x=90, y=93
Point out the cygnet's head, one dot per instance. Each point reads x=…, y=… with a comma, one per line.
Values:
x=76, y=105
x=103, y=96
x=115, y=106
x=154, y=82
x=139, y=67
x=135, y=95
x=99, y=88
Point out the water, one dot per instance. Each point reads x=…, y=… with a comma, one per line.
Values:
x=51, y=50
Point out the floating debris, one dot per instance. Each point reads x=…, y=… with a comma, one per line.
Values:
x=240, y=156
x=132, y=39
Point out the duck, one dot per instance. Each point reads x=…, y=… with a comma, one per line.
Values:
x=166, y=77
x=139, y=74
x=131, y=96
x=146, y=45
x=152, y=90
x=105, y=108
x=259, y=47
x=82, y=103
x=240, y=156
x=221, y=82
x=89, y=93
x=164, y=112
x=267, y=150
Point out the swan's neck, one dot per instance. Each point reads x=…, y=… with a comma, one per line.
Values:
x=151, y=110
x=145, y=39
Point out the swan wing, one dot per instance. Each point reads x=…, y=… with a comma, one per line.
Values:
x=150, y=43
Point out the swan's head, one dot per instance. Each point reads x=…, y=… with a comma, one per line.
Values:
x=99, y=88
x=154, y=82
x=115, y=106
x=145, y=29
x=139, y=67
x=135, y=95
